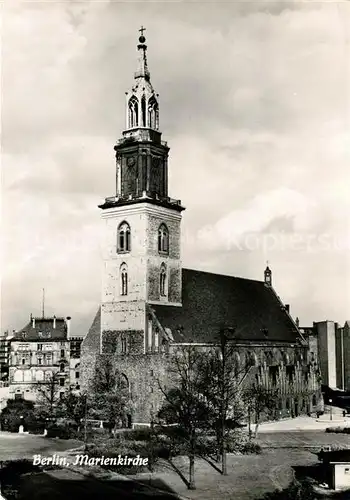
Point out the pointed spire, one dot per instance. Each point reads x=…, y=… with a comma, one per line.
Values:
x=142, y=108
x=142, y=70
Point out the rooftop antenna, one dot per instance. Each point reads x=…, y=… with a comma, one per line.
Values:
x=43, y=304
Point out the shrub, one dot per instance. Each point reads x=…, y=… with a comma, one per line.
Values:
x=140, y=434
x=129, y=449
x=251, y=447
x=338, y=430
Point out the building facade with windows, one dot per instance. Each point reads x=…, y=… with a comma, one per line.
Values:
x=74, y=362
x=150, y=304
x=329, y=343
x=5, y=345
x=40, y=351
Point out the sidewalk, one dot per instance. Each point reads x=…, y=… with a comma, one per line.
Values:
x=305, y=423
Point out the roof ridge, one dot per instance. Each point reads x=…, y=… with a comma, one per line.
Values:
x=223, y=275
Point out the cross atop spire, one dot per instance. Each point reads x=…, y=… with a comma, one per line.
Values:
x=142, y=65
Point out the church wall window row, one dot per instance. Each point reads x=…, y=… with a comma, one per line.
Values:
x=163, y=239
x=123, y=238
x=123, y=279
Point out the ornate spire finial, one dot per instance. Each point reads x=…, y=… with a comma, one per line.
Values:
x=142, y=47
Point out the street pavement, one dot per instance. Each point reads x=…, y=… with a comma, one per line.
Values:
x=303, y=423
x=18, y=446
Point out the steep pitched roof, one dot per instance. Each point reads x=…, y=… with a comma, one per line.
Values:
x=213, y=301
x=43, y=330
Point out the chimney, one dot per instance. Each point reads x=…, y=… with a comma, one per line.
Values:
x=297, y=322
x=33, y=322
x=54, y=321
x=68, y=319
x=287, y=308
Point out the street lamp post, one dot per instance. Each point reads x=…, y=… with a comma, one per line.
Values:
x=85, y=424
x=331, y=415
x=223, y=345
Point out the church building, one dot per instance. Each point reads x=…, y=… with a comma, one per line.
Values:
x=150, y=304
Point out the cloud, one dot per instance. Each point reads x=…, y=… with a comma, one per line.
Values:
x=254, y=102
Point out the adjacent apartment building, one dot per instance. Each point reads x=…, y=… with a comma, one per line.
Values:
x=330, y=343
x=42, y=349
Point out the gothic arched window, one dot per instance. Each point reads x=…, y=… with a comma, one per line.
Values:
x=143, y=111
x=133, y=112
x=123, y=279
x=163, y=239
x=153, y=115
x=162, y=280
x=123, y=243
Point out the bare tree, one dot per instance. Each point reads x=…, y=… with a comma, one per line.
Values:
x=48, y=399
x=184, y=408
x=109, y=398
x=261, y=400
x=222, y=379
x=73, y=406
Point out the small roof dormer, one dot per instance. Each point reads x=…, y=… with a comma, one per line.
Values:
x=268, y=276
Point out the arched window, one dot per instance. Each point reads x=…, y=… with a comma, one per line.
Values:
x=133, y=112
x=251, y=359
x=123, y=279
x=236, y=363
x=124, y=345
x=163, y=239
x=153, y=113
x=143, y=111
x=162, y=280
x=124, y=385
x=285, y=358
x=123, y=244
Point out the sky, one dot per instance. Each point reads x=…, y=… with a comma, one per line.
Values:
x=255, y=106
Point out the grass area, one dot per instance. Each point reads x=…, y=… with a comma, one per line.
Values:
x=249, y=476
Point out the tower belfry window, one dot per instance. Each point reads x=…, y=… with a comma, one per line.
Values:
x=143, y=111
x=153, y=116
x=123, y=279
x=163, y=239
x=133, y=112
x=123, y=244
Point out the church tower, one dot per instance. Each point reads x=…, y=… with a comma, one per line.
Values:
x=141, y=248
